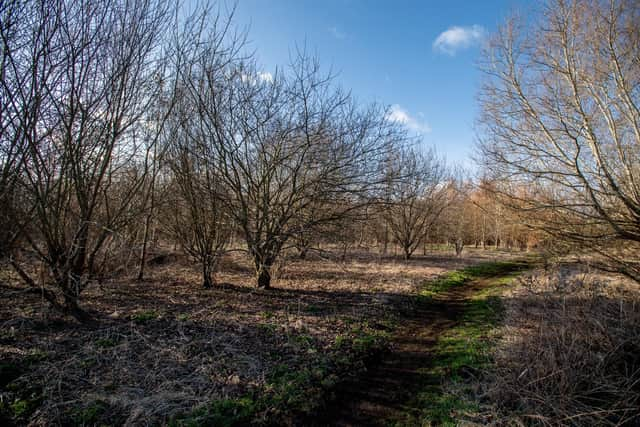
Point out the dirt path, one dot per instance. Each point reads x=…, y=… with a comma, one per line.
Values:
x=383, y=393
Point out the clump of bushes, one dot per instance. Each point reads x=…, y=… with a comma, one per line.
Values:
x=570, y=351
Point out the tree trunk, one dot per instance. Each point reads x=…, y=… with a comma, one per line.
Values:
x=386, y=240
x=459, y=246
x=264, y=277
x=207, y=279
x=72, y=308
x=143, y=251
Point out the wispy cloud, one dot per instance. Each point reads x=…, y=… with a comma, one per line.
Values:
x=457, y=38
x=400, y=115
x=336, y=33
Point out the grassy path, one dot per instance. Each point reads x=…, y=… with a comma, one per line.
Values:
x=442, y=342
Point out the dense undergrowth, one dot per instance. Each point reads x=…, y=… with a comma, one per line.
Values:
x=559, y=347
x=569, y=352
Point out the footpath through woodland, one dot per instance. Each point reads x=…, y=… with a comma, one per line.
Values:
x=388, y=393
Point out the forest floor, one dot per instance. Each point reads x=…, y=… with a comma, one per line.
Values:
x=438, y=346
x=167, y=352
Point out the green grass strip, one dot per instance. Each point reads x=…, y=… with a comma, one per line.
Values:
x=463, y=351
x=460, y=277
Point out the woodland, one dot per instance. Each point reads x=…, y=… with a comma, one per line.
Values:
x=186, y=239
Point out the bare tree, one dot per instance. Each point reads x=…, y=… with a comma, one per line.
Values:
x=286, y=144
x=18, y=103
x=155, y=142
x=455, y=224
x=305, y=238
x=90, y=71
x=561, y=124
x=200, y=222
x=418, y=197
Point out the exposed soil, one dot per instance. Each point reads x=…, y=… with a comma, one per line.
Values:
x=383, y=394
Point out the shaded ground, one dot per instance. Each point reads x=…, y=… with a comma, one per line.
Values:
x=386, y=394
x=166, y=348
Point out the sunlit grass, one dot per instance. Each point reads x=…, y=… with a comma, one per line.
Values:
x=463, y=351
x=506, y=269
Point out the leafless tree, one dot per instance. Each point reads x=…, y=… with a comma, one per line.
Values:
x=199, y=223
x=155, y=145
x=455, y=224
x=561, y=124
x=418, y=197
x=87, y=72
x=18, y=103
x=209, y=62
x=305, y=238
x=287, y=143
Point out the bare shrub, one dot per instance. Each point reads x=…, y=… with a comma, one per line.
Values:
x=570, y=351
x=87, y=74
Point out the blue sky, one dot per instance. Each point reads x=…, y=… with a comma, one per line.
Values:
x=386, y=51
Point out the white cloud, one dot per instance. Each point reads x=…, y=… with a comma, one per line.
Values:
x=400, y=115
x=456, y=38
x=265, y=76
x=261, y=76
x=335, y=32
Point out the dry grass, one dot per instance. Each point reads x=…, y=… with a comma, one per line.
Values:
x=165, y=346
x=569, y=352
